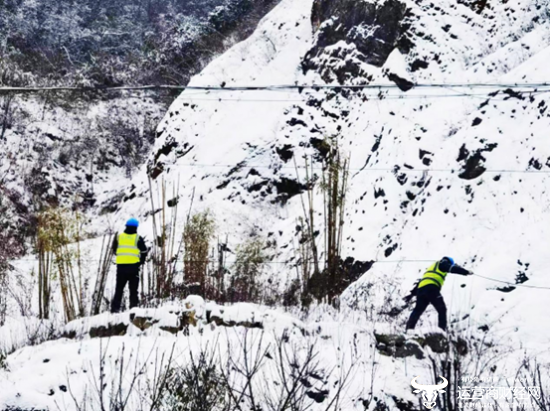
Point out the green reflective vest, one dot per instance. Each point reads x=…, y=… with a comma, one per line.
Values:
x=433, y=276
x=127, y=251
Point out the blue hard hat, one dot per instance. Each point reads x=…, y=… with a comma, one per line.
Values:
x=132, y=222
x=450, y=259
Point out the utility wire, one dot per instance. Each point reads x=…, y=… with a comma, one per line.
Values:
x=298, y=262
x=380, y=97
x=512, y=284
x=368, y=97
x=384, y=170
x=274, y=87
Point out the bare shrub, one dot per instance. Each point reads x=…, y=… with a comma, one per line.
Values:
x=20, y=290
x=481, y=361
x=251, y=372
x=57, y=230
x=166, y=247
x=329, y=282
x=534, y=377
x=11, y=247
x=280, y=376
x=196, y=386
x=197, y=239
x=132, y=134
x=247, y=269
x=293, y=293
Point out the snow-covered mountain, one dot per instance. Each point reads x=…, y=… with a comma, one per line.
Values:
x=434, y=171
x=60, y=147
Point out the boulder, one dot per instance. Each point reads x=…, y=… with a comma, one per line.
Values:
x=461, y=346
x=142, y=322
x=97, y=326
x=110, y=330
x=218, y=319
x=436, y=341
x=403, y=405
x=397, y=345
x=400, y=346
x=439, y=343
x=70, y=334
x=172, y=320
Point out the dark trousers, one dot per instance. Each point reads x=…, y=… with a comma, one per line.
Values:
x=425, y=296
x=126, y=273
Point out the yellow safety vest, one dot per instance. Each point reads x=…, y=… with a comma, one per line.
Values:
x=433, y=276
x=127, y=251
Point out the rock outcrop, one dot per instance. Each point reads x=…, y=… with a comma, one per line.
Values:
x=401, y=346
x=398, y=346
x=175, y=318
x=355, y=33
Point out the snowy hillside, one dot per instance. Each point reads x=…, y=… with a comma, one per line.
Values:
x=434, y=171
x=59, y=147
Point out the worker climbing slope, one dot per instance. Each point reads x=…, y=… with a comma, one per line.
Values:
x=429, y=290
x=131, y=252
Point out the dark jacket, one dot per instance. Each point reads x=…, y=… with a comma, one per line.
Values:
x=445, y=266
x=141, y=244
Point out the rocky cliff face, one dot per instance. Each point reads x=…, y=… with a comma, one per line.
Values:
x=355, y=33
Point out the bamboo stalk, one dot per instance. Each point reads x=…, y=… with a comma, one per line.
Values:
x=79, y=265
x=96, y=299
x=154, y=256
x=103, y=270
x=165, y=291
x=343, y=192
x=173, y=224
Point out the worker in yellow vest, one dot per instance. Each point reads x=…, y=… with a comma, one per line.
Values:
x=131, y=252
x=429, y=290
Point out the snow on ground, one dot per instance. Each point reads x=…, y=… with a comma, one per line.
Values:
x=56, y=373
x=433, y=172
x=65, y=374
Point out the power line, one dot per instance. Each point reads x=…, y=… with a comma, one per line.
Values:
x=512, y=284
x=272, y=87
x=373, y=96
x=382, y=170
x=380, y=97
x=299, y=262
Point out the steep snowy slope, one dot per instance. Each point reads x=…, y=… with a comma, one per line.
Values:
x=214, y=140
x=435, y=171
